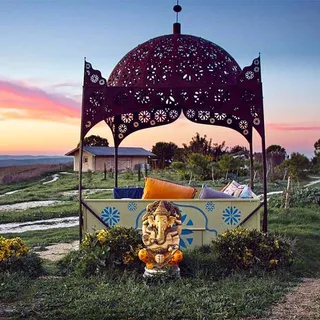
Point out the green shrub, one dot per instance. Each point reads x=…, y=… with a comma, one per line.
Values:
x=304, y=197
x=16, y=258
x=276, y=201
x=13, y=247
x=301, y=197
x=243, y=249
x=116, y=247
x=29, y=265
x=128, y=175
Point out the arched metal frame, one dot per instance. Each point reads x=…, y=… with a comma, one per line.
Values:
x=169, y=75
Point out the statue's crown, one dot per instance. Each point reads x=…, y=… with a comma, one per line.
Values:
x=161, y=210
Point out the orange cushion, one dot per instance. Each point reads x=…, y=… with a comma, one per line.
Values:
x=160, y=189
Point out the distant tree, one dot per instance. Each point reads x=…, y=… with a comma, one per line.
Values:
x=164, y=152
x=95, y=141
x=180, y=155
x=275, y=148
x=225, y=163
x=315, y=161
x=317, y=147
x=237, y=164
x=236, y=150
x=199, y=145
x=218, y=150
x=257, y=168
x=199, y=166
x=315, y=164
x=180, y=167
x=297, y=165
x=202, y=145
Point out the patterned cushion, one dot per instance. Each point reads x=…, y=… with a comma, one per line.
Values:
x=247, y=193
x=161, y=189
x=231, y=187
x=208, y=193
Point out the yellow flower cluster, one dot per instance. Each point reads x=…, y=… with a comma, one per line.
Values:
x=247, y=257
x=87, y=240
x=273, y=261
x=90, y=240
x=102, y=236
x=129, y=256
x=14, y=247
x=235, y=232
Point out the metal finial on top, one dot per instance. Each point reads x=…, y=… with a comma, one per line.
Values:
x=177, y=8
x=176, y=26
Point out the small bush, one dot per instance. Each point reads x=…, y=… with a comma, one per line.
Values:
x=301, y=197
x=16, y=258
x=116, y=247
x=10, y=248
x=128, y=174
x=243, y=249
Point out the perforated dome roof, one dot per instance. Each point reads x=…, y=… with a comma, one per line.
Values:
x=175, y=60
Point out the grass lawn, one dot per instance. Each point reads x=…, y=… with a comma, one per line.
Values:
x=67, y=209
x=40, y=238
x=128, y=297
x=302, y=224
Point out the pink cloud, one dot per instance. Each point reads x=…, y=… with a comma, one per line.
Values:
x=21, y=101
x=67, y=84
x=292, y=127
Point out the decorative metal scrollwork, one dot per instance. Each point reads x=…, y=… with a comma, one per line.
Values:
x=226, y=95
x=173, y=60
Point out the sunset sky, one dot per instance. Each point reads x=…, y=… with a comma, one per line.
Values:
x=43, y=45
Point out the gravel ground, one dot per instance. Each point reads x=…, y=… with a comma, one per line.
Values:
x=303, y=303
x=57, y=251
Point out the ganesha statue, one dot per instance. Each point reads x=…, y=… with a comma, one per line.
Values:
x=161, y=229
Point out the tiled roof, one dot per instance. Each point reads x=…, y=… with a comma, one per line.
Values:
x=109, y=151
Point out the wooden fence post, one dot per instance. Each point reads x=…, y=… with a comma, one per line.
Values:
x=287, y=196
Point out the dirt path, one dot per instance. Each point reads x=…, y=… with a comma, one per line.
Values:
x=28, y=205
x=303, y=303
x=57, y=251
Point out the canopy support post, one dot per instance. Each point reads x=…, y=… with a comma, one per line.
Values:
x=265, y=205
x=116, y=165
x=80, y=190
x=251, y=165
x=81, y=156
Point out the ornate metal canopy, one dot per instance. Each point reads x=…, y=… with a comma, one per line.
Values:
x=169, y=75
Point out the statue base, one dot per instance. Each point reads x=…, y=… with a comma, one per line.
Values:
x=173, y=272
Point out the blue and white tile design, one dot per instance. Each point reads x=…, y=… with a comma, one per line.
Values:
x=231, y=215
x=110, y=215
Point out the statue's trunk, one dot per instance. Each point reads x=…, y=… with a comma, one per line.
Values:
x=161, y=234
